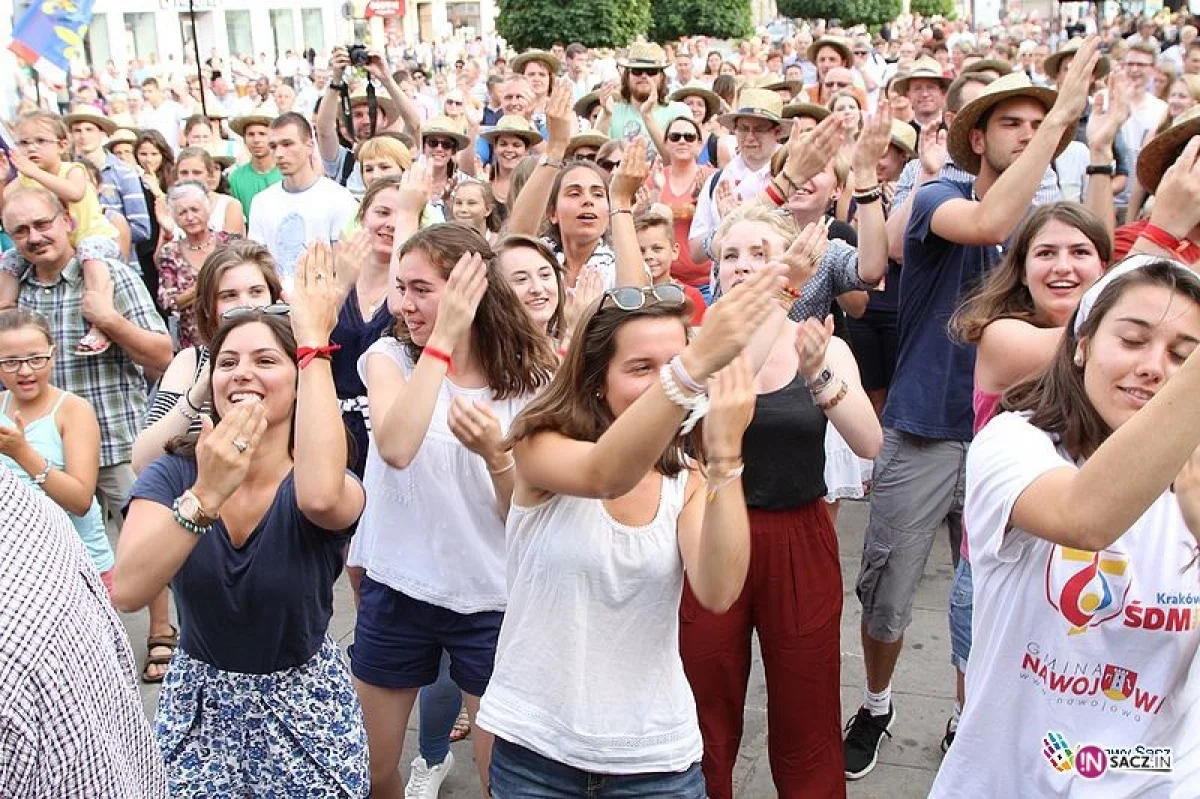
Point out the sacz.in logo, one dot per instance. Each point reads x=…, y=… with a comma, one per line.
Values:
x=1091, y=761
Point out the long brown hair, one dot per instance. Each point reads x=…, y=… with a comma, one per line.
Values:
x=551, y=229
x=221, y=260
x=519, y=241
x=574, y=405
x=166, y=170
x=1057, y=400
x=1003, y=294
x=515, y=355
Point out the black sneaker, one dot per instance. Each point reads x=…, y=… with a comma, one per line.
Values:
x=863, y=735
x=948, y=738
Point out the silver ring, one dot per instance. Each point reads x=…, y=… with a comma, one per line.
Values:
x=241, y=446
x=320, y=276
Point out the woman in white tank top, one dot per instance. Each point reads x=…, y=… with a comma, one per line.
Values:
x=588, y=695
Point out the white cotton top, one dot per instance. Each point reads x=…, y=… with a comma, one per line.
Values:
x=587, y=669
x=1097, y=647
x=286, y=222
x=432, y=530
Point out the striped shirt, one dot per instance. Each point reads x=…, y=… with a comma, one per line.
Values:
x=1047, y=192
x=121, y=191
x=71, y=719
x=112, y=382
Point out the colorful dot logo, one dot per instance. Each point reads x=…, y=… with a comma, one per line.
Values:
x=1091, y=761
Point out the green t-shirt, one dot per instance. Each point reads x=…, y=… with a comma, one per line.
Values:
x=627, y=121
x=246, y=181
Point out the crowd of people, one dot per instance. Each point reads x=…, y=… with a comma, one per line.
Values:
x=568, y=361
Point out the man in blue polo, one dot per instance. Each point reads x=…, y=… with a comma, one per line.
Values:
x=120, y=187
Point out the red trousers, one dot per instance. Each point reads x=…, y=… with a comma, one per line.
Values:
x=793, y=598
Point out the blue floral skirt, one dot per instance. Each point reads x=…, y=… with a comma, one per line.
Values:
x=292, y=733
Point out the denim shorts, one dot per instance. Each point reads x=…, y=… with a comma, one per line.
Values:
x=962, y=605
x=520, y=773
x=398, y=641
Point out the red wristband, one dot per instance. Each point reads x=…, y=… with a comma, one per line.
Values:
x=774, y=194
x=439, y=355
x=1181, y=247
x=306, y=355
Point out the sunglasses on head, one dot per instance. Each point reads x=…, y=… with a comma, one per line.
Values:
x=275, y=309
x=633, y=298
x=644, y=72
x=441, y=144
x=678, y=136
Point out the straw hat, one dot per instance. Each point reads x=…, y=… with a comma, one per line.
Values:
x=239, y=124
x=1008, y=87
x=755, y=104
x=712, y=102
x=89, y=114
x=444, y=126
x=1162, y=150
x=774, y=83
x=585, y=104
x=553, y=65
x=513, y=125
x=925, y=67
x=384, y=103
x=644, y=55
x=811, y=110
x=223, y=161
x=837, y=43
x=589, y=138
x=121, y=135
x=1068, y=50
x=904, y=138
x=989, y=65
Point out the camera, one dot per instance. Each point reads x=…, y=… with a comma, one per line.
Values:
x=358, y=55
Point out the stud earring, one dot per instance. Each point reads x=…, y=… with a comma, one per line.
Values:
x=1079, y=359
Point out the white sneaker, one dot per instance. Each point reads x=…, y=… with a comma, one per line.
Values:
x=424, y=781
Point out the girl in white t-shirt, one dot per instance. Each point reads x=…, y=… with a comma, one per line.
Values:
x=589, y=694
x=1085, y=561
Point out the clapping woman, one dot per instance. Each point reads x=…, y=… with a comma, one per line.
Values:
x=248, y=524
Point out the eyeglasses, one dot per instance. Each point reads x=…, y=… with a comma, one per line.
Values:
x=39, y=225
x=275, y=309
x=633, y=298
x=454, y=102
x=29, y=144
x=681, y=136
x=837, y=84
x=607, y=165
x=644, y=72
x=861, y=52
x=441, y=144
x=36, y=362
x=745, y=130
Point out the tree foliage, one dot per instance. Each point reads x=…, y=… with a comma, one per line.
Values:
x=595, y=23
x=723, y=19
x=934, y=8
x=849, y=12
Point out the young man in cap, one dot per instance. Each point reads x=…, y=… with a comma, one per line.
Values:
x=1007, y=137
x=260, y=172
x=120, y=188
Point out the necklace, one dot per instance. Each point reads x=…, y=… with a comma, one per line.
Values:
x=204, y=245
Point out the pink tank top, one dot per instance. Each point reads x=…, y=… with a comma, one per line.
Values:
x=985, y=406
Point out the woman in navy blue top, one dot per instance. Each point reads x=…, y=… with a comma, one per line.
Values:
x=248, y=523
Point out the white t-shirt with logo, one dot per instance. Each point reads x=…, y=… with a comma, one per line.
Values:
x=1098, y=648
x=286, y=222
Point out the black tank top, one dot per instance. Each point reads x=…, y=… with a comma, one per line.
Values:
x=784, y=449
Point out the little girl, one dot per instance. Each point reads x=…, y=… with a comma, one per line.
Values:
x=50, y=437
x=41, y=160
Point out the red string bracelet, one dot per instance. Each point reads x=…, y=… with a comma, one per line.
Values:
x=440, y=355
x=306, y=355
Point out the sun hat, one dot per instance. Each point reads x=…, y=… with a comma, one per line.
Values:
x=589, y=138
x=553, y=65
x=837, y=43
x=755, y=104
x=513, y=125
x=384, y=103
x=444, y=126
x=988, y=65
x=924, y=67
x=1054, y=62
x=712, y=102
x=646, y=55
x=585, y=104
x=793, y=110
x=89, y=114
x=904, y=138
x=239, y=124
x=1162, y=150
x=1007, y=87
x=119, y=136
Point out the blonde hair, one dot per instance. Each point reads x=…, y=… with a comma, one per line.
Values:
x=781, y=224
x=387, y=148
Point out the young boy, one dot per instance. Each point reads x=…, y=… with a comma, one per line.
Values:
x=656, y=238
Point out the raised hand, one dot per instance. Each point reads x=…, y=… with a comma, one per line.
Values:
x=874, y=140
x=459, y=301
x=560, y=115
x=339, y=59
x=731, y=399
x=1075, y=87
x=931, y=149
x=812, y=342
x=416, y=188
x=12, y=439
x=646, y=108
x=476, y=426
x=808, y=153
x=377, y=66
x=630, y=175
x=1110, y=109
x=803, y=256
x=349, y=255
x=729, y=324
x=316, y=298
x=727, y=198
x=588, y=288
x=607, y=90
x=1177, y=199
x=224, y=453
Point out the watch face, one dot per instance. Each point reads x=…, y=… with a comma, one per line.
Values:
x=189, y=507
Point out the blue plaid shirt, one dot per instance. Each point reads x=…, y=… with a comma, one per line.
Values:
x=121, y=191
x=111, y=382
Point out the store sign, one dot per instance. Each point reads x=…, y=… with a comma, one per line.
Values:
x=384, y=8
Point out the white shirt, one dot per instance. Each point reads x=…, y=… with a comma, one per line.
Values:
x=167, y=119
x=1100, y=648
x=587, y=669
x=286, y=222
x=748, y=183
x=1143, y=119
x=432, y=530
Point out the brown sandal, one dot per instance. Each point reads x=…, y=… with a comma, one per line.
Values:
x=462, y=727
x=159, y=642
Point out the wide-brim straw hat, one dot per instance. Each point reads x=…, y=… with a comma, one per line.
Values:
x=589, y=138
x=925, y=67
x=712, y=101
x=1162, y=150
x=239, y=124
x=444, y=126
x=1054, y=61
x=904, y=138
x=584, y=104
x=553, y=65
x=755, y=104
x=119, y=136
x=839, y=44
x=988, y=65
x=513, y=125
x=774, y=83
x=646, y=55
x=1007, y=87
x=817, y=112
x=93, y=116
x=384, y=103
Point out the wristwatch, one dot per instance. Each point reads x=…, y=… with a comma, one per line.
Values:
x=191, y=515
x=1109, y=169
x=546, y=160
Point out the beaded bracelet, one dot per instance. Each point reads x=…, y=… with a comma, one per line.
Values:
x=187, y=524
x=838, y=397
x=697, y=405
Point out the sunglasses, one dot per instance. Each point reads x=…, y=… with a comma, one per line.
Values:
x=36, y=362
x=644, y=72
x=836, y=84
x=634, y=298
x=441, y=144
x=607, y=165
x=681, y=136
x=275, y=309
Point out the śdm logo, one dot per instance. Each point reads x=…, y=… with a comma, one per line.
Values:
x=1087, y=588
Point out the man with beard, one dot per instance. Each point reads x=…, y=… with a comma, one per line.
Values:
x=304, y=206
x=643, y=77
x=1006, y=137
x=260, y=171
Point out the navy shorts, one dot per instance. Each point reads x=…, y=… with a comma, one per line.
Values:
x=398, y=641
